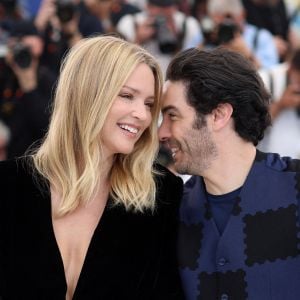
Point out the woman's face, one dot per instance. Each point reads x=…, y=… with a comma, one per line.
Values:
x=130, y=113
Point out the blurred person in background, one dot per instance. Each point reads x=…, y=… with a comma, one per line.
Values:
x=199, y=9
x=284, y=84
x=185, y=6
x=228, y=27
x=63, y=23
x=162, y=29
x=25, y=88
x=271, y=15
x=109, y=12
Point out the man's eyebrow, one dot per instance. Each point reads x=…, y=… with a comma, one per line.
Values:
x=168, y=107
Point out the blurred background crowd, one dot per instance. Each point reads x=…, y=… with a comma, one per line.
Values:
x=36, y=34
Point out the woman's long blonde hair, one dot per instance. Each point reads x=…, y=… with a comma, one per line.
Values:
x=70, y=157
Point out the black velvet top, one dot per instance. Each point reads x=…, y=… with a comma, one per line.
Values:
x=130, y=256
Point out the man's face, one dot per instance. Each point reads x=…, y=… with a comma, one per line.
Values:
x=187, y=136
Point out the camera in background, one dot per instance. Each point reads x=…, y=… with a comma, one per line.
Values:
x=21, y=55
x=226, y=31
x=166, y=38
x=65, y=10
x=218, y=34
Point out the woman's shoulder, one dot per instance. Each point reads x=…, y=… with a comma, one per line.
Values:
x=169, y=186
x=11, y=170
x=165, y=176
x=19, y=176
x=17, y=186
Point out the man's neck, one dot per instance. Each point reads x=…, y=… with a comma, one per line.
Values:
x=230, y=170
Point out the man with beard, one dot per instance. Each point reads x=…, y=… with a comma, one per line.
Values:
x=239, y=218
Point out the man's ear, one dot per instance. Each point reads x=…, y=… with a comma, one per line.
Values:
x=221, y=115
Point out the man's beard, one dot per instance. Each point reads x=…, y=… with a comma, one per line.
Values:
x=198, y=151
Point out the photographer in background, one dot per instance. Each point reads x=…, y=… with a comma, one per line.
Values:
x=62, y=23
x=291, y=95
x=284, y=84
x=162, y=29
x=272, y=15
x=25, y=88
x=231, y=30
x=109, y=12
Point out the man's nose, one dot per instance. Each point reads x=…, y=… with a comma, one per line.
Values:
x=164, y=131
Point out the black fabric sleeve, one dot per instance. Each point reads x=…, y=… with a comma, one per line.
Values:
x=170, y=189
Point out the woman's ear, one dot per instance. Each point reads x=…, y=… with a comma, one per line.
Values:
x=221, y=115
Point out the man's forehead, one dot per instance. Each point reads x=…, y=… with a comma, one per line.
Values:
x=166, y=86
x=174, y=92
x=175, y=98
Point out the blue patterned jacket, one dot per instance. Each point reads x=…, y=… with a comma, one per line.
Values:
x=258, y=255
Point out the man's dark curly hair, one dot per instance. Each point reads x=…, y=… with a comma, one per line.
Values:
x=220, y=76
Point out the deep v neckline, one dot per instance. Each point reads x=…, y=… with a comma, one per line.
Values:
x=87, y=255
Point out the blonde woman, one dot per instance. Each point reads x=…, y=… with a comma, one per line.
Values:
x=87, y=216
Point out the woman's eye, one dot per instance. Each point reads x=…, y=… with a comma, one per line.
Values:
x=126, y=96
x=149, y=104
